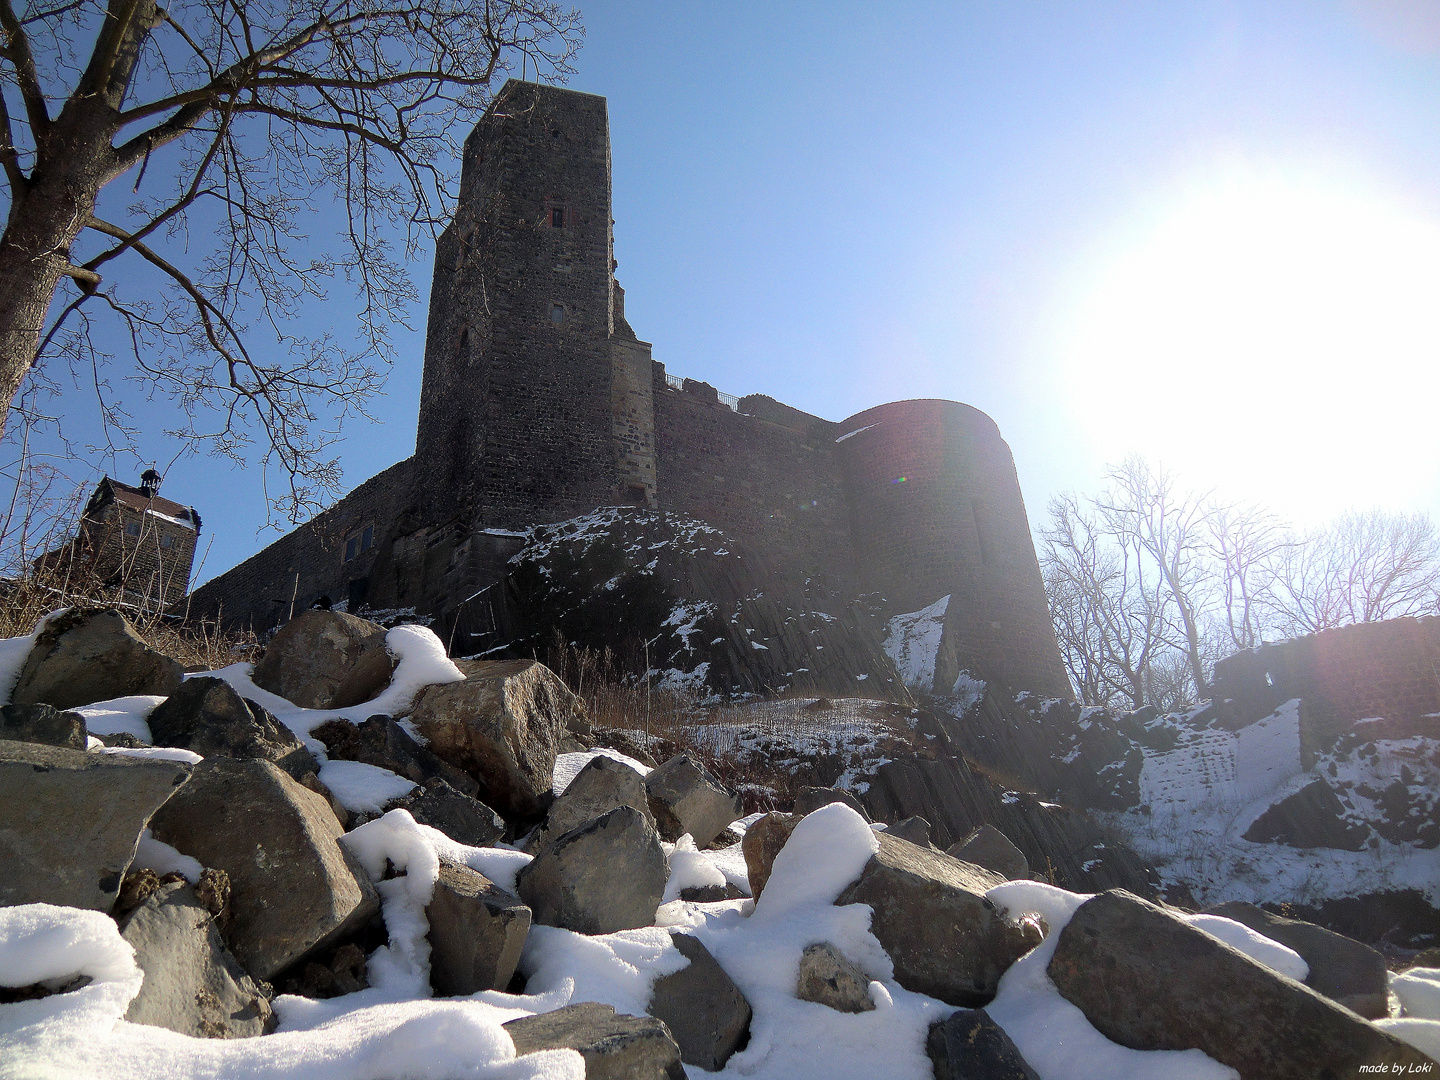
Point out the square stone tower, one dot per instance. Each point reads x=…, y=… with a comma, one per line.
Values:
x=533, y=406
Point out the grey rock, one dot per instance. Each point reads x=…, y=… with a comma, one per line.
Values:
x=763, y=841
x=712, y=894
x=295, y=888
x=465, y=820
x=207, y=716
x=829, y=978
x=601, y=786
x=88, y=656
x=987, y=846
x=501, y=726
x=312, y=782
x=1341, y=968
x=1312, y=817
x=706, y=1013
x=476, y=932
x=614, y=1046
x=969, y=1044
x=607, y=875
x=914, y=829
x=1147, y=979
x=192, y=983
x=326, y=660
x=382, y=742
x=70, y=821
x=811, y=799
x=933, y=918
x=42, y=724
x=685, y=798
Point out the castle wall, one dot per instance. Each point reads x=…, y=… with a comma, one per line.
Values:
x=633, y=413
x=310, y=561
x=774, y=488
x=515, y=409
x=936, y=509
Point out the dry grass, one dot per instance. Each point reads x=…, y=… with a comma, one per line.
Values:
x=198, y=646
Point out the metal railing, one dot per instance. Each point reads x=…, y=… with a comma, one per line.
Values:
x=677, y=382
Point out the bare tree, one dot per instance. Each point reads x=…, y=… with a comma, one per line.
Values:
x=236, y=117
x=1246, y=544
x=1109, y=610
x=1144, y=505
x=1363, y=567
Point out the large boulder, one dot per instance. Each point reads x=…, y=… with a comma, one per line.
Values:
x=811, y=799
x=762, y=842
x=685, y=798
x=192, y=983
x=87, y=656
x=607, y=875
x=295, y=887
x=828, y=977
x=207, y=716
x=382, y=742
x=476, y=932
x=946, y=938
x=614, y=1046
x=601, y=786
x=987, y=846
x=463, y=819
x=1341, y=968
x=968, y=1044
x=326, y=660
x=1147, y=979
x=705, y=1011
x=70, y=821
x=1313, y=817
x=43, y=724
x=502, y=726
x=914, y=829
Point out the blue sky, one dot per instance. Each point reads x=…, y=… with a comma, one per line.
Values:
x=845, y=204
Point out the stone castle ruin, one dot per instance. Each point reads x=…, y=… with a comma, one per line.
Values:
x=540, y=404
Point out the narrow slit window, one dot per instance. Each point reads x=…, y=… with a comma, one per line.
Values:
x=557, y=313
x=367, y=538
x=557, y=217
x=351, y=547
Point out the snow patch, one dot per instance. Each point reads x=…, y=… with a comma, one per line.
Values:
x=568, y=766
x=363, y=788
x=912, y=641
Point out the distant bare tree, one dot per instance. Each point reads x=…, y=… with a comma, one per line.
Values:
x=1363, y=567
x=1144, y=506
x=1109, y=611
x=1247, y=544
x=236, y=118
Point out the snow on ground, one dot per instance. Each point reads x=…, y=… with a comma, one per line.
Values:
x=152, y=854
x=363, y=788
x=120, y=716
x=1419, y=992
x=568, y=766
x=13, y=652
x=912, y=641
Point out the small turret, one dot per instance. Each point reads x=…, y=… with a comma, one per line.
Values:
x=150, y=483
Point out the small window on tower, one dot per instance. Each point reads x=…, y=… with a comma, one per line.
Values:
x=351, y=547
x=132, y=528
x=367, y=538
x=557, y=217
x=557, y=313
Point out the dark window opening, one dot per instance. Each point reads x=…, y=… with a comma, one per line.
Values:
x=635, y=493
x=557, y=313
x=352, y=548
x=557, y=217
x=132, y=528
x=356, y=593
x=367, y=538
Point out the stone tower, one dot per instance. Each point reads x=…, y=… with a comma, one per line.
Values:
x=535, y=402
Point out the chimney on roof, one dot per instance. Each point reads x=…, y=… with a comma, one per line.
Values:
x=150, y=483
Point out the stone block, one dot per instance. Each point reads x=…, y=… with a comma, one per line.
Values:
x=811, y=799
x=614, y=1046
x=43, y=724
x=829, y=978
x=476, y=933
x=326, y=660
x=685, y=798
x=86, y=656
x=969, y=1045
x=207, y=716
x=987, y=846
x=763, y=841
x=706, y=1013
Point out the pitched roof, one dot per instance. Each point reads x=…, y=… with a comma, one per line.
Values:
x=136, y=499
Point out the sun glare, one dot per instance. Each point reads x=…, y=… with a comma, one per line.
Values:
x=1274, y=338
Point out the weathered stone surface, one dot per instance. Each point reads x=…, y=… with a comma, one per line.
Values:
x=42, y=724
x=763, y=841
x=382, y=742
x=295, y=888
x=685, y=798
x=207, y=716
x=1310, y=818
x=914, y=829
x=829, y=978
x=811, y=799
x=931, y=915
x=711, y=894
x=607, y=875
x=70, y=821
x=192, y=983
x=88, y=656
x=614, y=1046
x=1341, y=968
x=969, y=1045
x=329, y=973
x=705, y=1011
x=501, y=725
x=601, y=786
x=476, y=932
x=326, y=660
x=1149, y=980
x=987, y=846
x=465, y=820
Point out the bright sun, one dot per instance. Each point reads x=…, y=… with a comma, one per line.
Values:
x=1274, y=338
